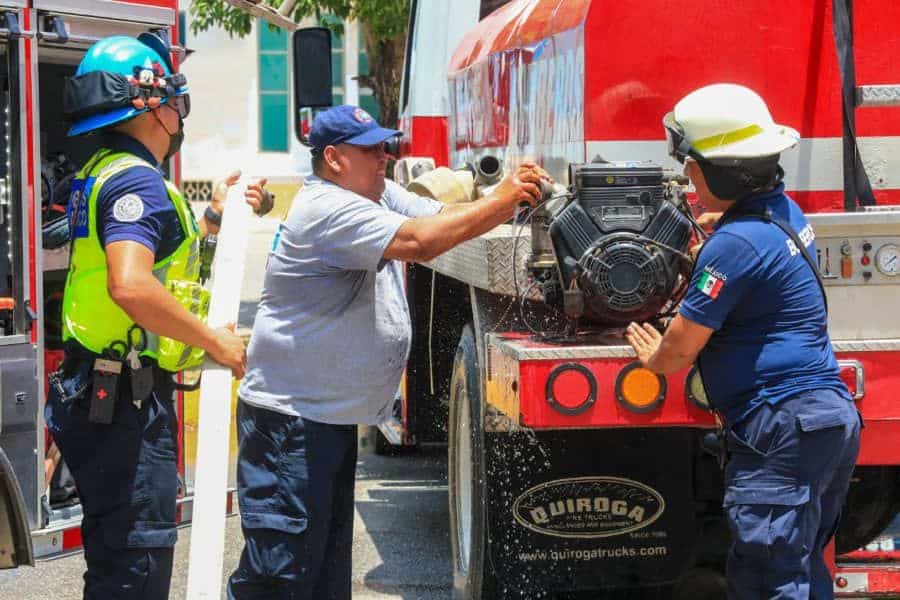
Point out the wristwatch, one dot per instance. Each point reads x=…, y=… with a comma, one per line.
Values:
x=212, y=217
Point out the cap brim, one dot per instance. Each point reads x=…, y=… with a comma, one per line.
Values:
x=372, y=137
x=772, y=141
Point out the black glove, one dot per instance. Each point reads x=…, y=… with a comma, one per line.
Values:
x=267, y=203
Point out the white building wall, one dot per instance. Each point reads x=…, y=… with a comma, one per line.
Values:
x=222, y=131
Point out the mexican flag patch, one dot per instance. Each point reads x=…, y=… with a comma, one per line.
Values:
x=710, y=285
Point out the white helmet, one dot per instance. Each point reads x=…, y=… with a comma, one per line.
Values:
x=725, y=121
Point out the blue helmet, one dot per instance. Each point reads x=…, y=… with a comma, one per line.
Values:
x=119, y=78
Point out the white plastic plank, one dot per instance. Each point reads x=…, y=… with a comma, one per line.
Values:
x=211, y=480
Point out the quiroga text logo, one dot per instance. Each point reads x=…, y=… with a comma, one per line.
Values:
x=588, y=507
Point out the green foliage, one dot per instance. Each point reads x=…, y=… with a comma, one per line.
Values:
x=210, y=13
x=385, y=19
x=383, y=23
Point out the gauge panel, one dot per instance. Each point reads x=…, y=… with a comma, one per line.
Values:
x=858, y=261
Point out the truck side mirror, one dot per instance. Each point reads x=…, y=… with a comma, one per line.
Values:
x=312, y=75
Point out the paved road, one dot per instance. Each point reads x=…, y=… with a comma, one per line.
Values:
x=401, y=549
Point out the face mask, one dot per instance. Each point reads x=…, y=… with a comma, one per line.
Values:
x=175, y=140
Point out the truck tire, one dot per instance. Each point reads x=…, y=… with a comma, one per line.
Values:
x=701, y=583
x=472, y=576
x=873, y=501
x=383, y=447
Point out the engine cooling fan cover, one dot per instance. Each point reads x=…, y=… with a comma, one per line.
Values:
x=624, y=280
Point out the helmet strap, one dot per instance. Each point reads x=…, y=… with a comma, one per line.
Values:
x=156, y=115
x=743, y=180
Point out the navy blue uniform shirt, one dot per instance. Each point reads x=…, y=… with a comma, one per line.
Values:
x=752, y=286
x=135, y=206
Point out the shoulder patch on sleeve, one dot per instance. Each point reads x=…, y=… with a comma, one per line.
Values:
x=711, y=282
x=128, y=208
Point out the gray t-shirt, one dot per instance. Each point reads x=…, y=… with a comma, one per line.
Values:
x=332, y=334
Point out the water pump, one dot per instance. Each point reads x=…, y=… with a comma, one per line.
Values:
x=620, y=244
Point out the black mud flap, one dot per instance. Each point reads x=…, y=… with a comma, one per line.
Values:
x=15, y=538
x=591, y=510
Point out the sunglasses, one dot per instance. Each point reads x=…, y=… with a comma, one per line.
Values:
x=389, y=147
x=676, y=143
x=181, y=104
x=373, y=149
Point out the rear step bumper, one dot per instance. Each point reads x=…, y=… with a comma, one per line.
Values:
x=865, y=574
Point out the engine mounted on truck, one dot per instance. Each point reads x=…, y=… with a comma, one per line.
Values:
x=620, y=244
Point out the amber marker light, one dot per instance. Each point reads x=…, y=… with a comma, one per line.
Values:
x=695, y=390
x=640, y=390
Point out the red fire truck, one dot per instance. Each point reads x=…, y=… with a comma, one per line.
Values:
x=41, y=43
x=570, y=466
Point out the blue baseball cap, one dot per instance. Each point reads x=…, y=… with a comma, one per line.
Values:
x=347, y=124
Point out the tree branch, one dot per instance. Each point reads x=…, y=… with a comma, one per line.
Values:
x=384, y=24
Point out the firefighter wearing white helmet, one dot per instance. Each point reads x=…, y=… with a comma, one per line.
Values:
x=729, y=133
x=755, y=322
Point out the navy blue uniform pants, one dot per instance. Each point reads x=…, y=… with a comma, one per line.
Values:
x=295, y=487
x=127, y=481
x=785, y=486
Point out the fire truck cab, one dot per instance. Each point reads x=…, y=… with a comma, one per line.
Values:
x=41, y=44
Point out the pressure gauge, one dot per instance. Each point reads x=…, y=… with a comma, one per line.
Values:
x=887, y=259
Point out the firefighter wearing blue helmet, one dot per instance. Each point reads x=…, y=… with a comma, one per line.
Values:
x=133, y=314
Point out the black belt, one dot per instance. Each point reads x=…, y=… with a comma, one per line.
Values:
x=77, y=357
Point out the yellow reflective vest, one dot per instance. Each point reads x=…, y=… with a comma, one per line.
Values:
x=90, y=316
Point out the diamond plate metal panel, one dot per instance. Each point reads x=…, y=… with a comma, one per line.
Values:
x=527, y=349
x=865, y=345
x=486, y=261
x=615, y=347
x=878, y=95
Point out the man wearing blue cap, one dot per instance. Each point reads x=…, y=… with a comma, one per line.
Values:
x=329, y=346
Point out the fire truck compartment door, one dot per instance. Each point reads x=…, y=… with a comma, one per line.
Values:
x=109, y=9
x=76, y=25
x=15, y=538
